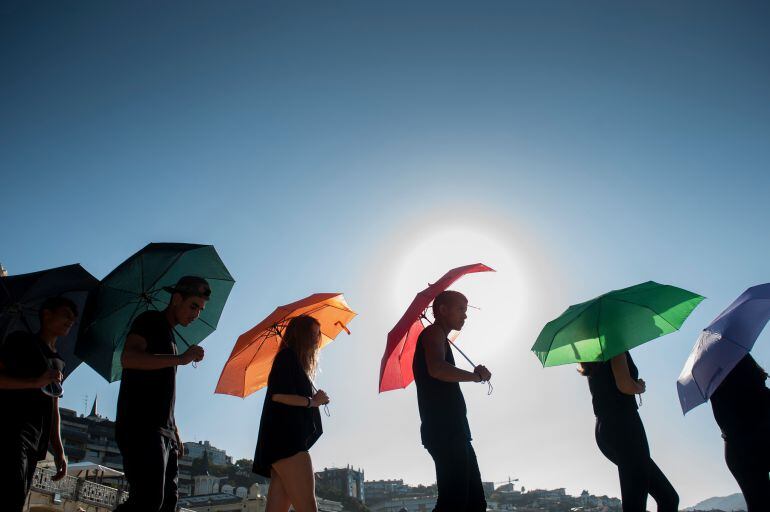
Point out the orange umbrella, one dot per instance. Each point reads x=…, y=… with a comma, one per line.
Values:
x=251, y=360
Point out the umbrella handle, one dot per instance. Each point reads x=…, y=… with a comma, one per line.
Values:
x=489, y=384
x=343, y=326
x=326, y=406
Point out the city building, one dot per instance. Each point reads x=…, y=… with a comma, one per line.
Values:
x=405, y=504
x=90, y=438
x=195, y=450
x=380, y=490
x=347, y=481
x=252, y=501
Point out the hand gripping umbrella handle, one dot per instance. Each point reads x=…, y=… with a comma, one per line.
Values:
x=489, y=392
x=326, y=406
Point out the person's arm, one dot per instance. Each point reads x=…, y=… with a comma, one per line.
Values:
x=136, y=357
x=438, y=367
x=318, y=399
x=47, y=377
x=623, y=380
x=57, y=446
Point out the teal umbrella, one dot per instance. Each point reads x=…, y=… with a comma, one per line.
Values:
x=139, y=284
x=601, y=328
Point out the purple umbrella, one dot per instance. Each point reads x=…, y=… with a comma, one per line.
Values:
x=722, y=345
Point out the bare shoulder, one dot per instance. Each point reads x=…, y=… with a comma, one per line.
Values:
x=433, y=335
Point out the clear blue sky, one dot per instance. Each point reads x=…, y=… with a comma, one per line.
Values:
x=312, y=143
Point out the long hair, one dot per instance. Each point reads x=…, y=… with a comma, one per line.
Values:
x=299, y=337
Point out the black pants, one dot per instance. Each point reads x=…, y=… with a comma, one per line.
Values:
x=622, y=439
x=150, y=464
x=17, y=467
x=457, y=477
x=748, y=459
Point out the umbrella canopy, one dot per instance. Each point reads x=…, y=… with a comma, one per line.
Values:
x=601, y=328
x=137, y=285
x=86, y=469
x=251, y=360
x=21, y=296
x=396, y=365
x=722, y=344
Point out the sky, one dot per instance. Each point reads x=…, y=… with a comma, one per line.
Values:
x=368, y=147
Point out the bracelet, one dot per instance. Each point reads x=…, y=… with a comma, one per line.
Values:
x=309, y=402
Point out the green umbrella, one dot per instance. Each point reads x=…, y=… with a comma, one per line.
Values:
x=601, y=328
x=137, y=285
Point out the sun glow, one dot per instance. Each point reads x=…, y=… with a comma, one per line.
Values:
x=497, y=299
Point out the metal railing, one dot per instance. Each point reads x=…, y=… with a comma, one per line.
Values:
x=77, y=489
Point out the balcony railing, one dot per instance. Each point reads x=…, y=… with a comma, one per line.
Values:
x=78, y=490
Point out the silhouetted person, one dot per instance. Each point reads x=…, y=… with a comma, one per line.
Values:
x=741, y=406
x=445, y=432
x=30, y=384
x=145, y=427
x=291, y=421
x=620, y=433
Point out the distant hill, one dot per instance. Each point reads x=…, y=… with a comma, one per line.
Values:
x=732, y=503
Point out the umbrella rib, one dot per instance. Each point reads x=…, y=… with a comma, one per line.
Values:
x=102, y=317
x=702, y=391
x=262, y=335
x=267, y=331
x=182, y=338
x=553, y=338
x=173, y=262
x=648, y=308
x=205, y=322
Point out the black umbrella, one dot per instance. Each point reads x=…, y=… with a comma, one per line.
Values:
x=21, y=296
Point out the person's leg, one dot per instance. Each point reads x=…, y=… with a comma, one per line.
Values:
x=296, y=473
x=144, y=463
x=477, y=502
x=622, y=441
x=13, y=475
x=661, y=490
x=452, y=475
x=171, y=480
x=750, y=473
x=277, y=498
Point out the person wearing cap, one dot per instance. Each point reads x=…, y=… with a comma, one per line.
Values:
x=145, y=428
x=30, y=387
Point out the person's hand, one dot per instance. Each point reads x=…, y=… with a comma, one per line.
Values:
x=319, y=398
x=48, y=377
x=61, y=465
x=642, y=386
x=484, y=374
x=193, y=354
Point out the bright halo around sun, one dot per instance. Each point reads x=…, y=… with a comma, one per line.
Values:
x=497, y=300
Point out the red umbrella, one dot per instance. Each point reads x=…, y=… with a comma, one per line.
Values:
x=396, y=365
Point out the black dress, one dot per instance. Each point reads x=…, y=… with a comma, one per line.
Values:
x=285, y=430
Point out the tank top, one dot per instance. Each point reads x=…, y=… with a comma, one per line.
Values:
x=441, y=404
x=606, y=398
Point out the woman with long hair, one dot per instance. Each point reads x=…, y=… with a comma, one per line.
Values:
x=291, y=422
x=741, y=406
x=620, y=433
